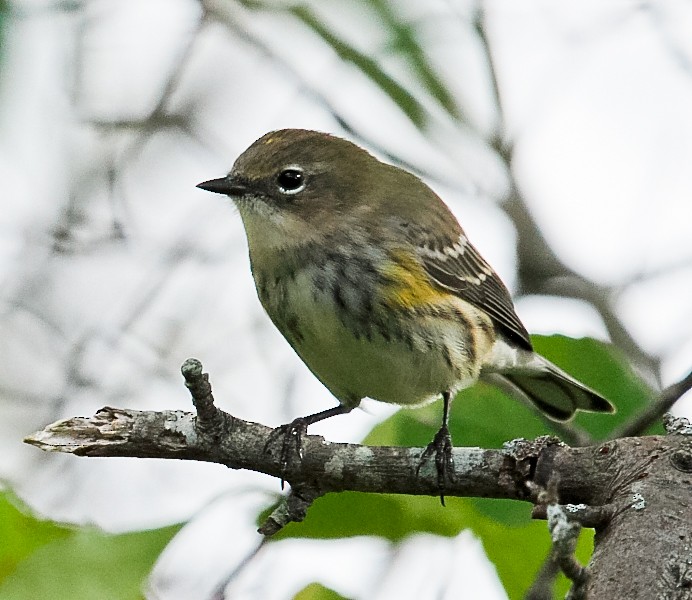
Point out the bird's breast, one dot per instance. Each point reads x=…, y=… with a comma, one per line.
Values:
x=361, y=342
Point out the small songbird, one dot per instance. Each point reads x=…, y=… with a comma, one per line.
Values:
x=375, y=285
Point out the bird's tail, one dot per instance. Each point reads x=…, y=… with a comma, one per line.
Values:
x=553, y=391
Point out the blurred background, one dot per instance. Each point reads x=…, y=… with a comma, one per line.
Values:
x=560, y=134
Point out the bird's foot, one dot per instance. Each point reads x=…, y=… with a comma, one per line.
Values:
x=292, y=434
x=291, y=444
x=441, y=448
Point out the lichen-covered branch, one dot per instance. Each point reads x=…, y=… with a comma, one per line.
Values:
x=633, y=491
x=331, y=467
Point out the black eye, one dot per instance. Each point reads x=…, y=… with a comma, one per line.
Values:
x=291, y=181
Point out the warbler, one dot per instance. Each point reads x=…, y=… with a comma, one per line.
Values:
x=375, y=285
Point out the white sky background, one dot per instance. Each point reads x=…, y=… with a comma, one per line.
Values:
x=115, y=268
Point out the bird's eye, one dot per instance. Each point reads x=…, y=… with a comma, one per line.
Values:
x=291, y=181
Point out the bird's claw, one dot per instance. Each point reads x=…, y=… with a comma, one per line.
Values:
x=291, y=444
x=440, y=447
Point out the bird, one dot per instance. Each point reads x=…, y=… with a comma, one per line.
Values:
x=375, y=285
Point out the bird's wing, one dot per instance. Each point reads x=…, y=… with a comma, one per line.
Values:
x=460, y=269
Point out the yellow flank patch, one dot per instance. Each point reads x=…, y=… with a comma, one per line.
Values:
x=408, y=286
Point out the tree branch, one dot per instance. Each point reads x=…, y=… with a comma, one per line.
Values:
x=614, y=487
x=332, y=467
x=215, y=436
x=512, y=472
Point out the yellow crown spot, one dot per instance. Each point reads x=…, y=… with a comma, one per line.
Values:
x=409, y=285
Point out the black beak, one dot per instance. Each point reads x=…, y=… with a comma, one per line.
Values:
x=225, y=185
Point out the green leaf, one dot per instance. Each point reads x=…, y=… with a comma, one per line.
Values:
x=44, y=560
x=316, y=591
x=516, y=552
x=22, y=534
x=390, y=516
x=481, y=416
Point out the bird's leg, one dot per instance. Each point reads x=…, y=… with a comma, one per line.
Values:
x=293, y=432
x=441, y=448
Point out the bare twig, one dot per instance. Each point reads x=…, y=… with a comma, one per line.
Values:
x=292, y=508
x=227, y=13
x=498, y=140
x=564, y=532
x=543, y=584
x=219, y=592
x=642, y=421
x=210, y=419
x=587, y=516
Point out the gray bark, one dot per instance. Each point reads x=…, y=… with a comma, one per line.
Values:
x=636, y=492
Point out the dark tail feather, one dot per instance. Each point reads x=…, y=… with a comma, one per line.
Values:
x=556, y=393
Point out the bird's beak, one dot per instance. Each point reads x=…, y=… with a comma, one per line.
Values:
x=225, y=185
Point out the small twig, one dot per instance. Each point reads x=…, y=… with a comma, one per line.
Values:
x=219, y=593
x=226, y=13
x=539, y=266
x=564, y=532
x=655, y=410
x=540, y=269
x=543, y=584
x=210, y=419
x=498, y=142
x=292, y=508
x=587, y=516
